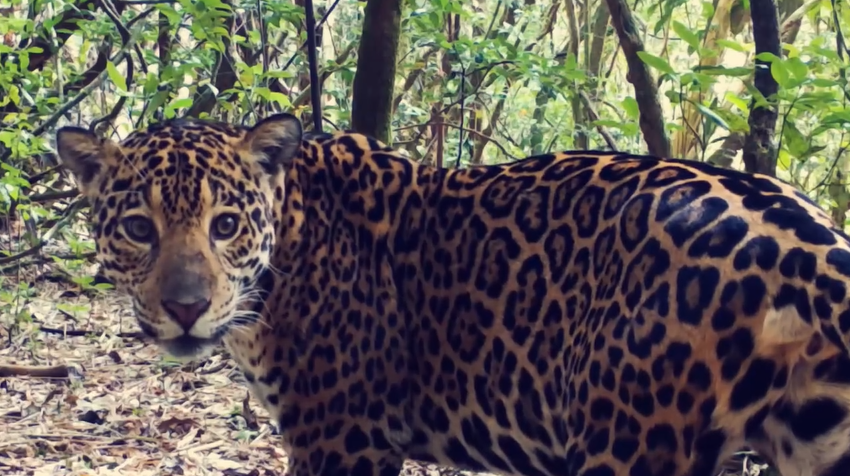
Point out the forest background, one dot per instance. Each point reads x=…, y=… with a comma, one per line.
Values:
x=449, y=82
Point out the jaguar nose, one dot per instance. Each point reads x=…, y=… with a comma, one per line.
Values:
x=186, y=314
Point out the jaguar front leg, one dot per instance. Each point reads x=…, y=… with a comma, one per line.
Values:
x=339, y=449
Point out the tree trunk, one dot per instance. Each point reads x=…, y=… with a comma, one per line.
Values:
x=372, y=101
x=579, y=123
x=734, y=142
x=759, y=150
x=646, y=93
x=599, y=33
x=687, y=139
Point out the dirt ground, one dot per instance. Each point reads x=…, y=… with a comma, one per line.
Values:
x=125, y=409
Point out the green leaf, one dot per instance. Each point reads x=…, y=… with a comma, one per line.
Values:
x=768, y=57
x=797, y=68
x=217, y=4
x=673, y=96
x=115, y=76
x=630, y=105
x=794, y=140
x=7, y=138
x=685, y=33
x=281, y=99
x=712, y=116
x=783, y=160
x=157, y=100
x=737, y=72
x=172, y=108
x=24, y=59
x=732, y=45
x=14, y=94
x=707, y=10
x=824, y=83
x=279, y=74
x=150, y=84
x=780, y=73
x=816, y=100
x=656, y=62
x=738, y=102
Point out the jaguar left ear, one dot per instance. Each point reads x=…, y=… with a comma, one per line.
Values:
x=274, y=141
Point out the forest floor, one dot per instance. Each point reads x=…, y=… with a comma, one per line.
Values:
x=125, y=409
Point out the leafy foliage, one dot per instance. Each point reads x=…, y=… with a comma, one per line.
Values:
x=477, y=82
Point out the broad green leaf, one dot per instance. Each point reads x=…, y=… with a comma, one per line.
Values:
x=220, y=30
x=824, y=53
x=737, y=122
x=797, y=68
x=673, y=96
x=737, y=72
x=780, y=73
x=217, y=4
x=150, y=84
x=819, y=100
x=7, y=138
x=783, y=160
x=768, y=57
x=738, y=102
x=656, y=62
x=14, y=94
x=712, y=116
x=793, y=51
x=173, y=16
x=686, y=34
x=841, y=118
x=630, y=105
x=794, y=140
x=157, y=100
x=824, y=83
x=732, y=45
x=707, y=10
x=172, y=108
x=281, y=99
x=116, y=77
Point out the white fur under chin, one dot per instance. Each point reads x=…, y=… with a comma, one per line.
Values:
x=204, y=352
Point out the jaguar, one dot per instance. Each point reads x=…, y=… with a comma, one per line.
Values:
x=584, y=313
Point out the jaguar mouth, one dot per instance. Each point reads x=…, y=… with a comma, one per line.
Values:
x=185, y=346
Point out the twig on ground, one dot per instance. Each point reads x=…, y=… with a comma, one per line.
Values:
x=52, y=371
x=83, y=333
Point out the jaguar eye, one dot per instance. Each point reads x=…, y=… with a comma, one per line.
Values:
x=139, y=229
x=225, y=226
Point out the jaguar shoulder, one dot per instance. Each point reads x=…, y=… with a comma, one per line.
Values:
x=580, y=313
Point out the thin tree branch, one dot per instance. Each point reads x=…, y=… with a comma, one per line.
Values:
x=646, y=92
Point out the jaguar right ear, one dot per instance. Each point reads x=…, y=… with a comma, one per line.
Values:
x=86, y=156
x=786, y=333
x=274, y=141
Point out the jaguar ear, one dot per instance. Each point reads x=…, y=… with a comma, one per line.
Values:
x=787, y=335
x=274, y=141
x=86, y=156
x=785, y=326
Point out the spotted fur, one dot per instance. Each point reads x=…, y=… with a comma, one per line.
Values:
x=580, y=313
